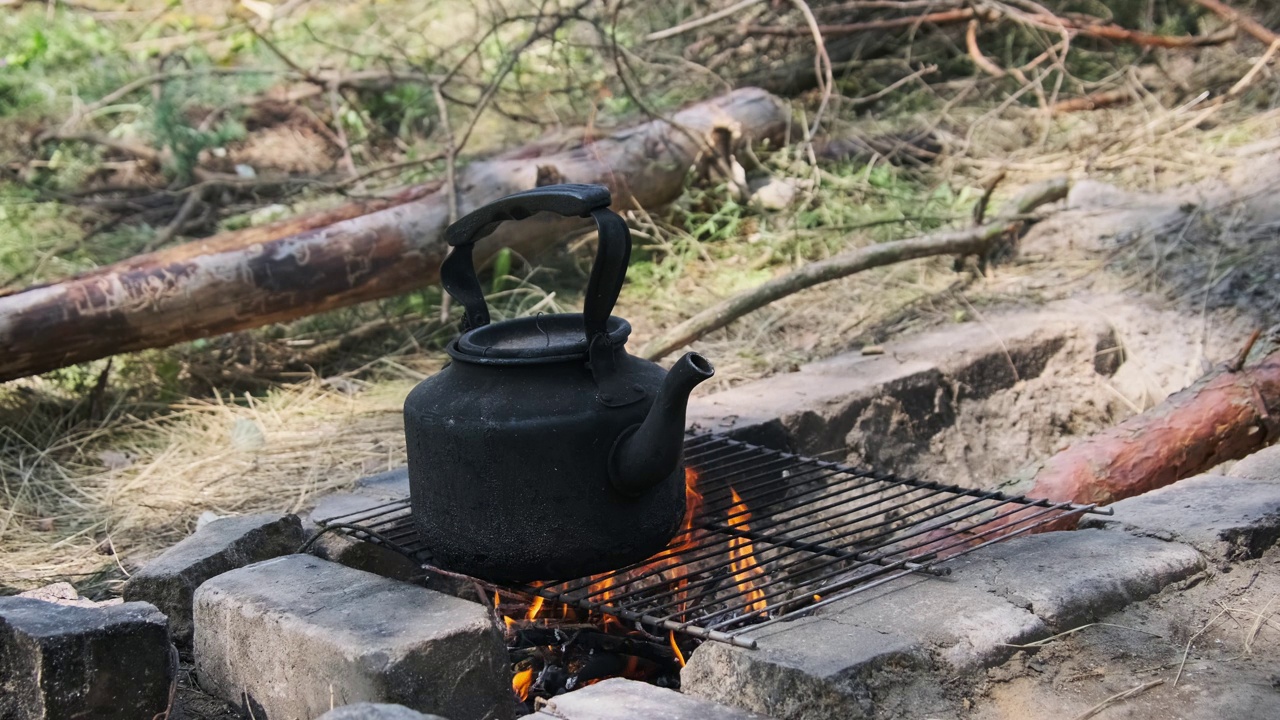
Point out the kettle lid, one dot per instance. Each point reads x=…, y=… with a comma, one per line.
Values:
x=534, y=339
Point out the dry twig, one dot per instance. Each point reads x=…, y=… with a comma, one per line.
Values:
x=956, y=242
x=1245, y=23
x=947, y=17
x=700, y=22
x=1118, y=697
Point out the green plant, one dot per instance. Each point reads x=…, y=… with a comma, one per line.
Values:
x=173, y=131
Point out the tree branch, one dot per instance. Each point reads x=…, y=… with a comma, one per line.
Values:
x=1244, y=22
x=955, y=242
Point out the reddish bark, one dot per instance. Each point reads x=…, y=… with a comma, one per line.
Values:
x=1223, y=417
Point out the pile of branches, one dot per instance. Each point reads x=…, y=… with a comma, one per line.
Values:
x=395, y=233
x=871, y=47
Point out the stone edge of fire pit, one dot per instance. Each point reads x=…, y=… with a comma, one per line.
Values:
x=621, y=699
x=1227, y=518
x=906, y=641
x=812, y=410
x=288, y=637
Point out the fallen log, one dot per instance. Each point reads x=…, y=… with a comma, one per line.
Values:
x=1226, y=415
x=972, y=241
x=300, y=267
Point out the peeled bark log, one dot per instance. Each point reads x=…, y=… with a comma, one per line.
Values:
x=263, y=275
x=1224, y=416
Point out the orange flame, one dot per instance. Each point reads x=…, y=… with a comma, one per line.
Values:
x=521, y=683
x=742, y=556
x=676, y=648
x=606, y=587
x=535, y=607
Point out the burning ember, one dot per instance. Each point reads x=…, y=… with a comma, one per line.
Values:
x=555, y=652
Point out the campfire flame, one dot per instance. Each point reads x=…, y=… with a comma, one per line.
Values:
x=742, y=557
x=534, y=608
x=674, y=646
x=521, y=683
x=527, y=620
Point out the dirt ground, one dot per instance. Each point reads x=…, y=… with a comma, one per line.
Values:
x=1225, y=623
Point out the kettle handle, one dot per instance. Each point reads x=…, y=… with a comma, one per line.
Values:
x=458, y=272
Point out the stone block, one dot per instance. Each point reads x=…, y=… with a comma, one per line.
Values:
x=826, y=405
x=390, y=485
x=619, y=699
x=169, y=582
x=1226, y=518
x=1262, y=465
x=966, y=626
x=62, y=661
x=816, y=668
x=288, y=637
x=376, y=711
x=64, y=593
x=1071, y=578
x=366, y=556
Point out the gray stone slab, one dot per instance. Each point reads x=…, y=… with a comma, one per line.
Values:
x=366, y=556
x=815, y=409
x=816, y=668
x=390, y=485
x=342, y=504
x=887, y=652
x=965, y=626
x=1262, y=465
x=169, y=582
x=1227, y=518
x=619, y=699
x=1070, y=578
x=64, y=593
x=287, y=637
x=376, y=711
x=62, y=661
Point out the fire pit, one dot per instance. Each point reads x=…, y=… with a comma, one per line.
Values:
x=767, y=536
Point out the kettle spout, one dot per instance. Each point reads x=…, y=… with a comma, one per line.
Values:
x=645, y=457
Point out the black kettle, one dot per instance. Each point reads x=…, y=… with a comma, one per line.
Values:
x=545, y=451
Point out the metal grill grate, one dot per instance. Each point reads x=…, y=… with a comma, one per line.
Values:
x=774, y=534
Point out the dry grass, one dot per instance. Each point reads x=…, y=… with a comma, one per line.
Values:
x=136, y=486
x=72, y=492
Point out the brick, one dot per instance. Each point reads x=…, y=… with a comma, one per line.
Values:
x=965, y=626
x=831, y=404
x=390, y=485
x=358, y=554
x=619, y=699
x=169, y=582
x=1226, y=518
x=62, y=661
x=816, y=668
x=1070, y=578
x=287, y=637
x=375, y=711
x=1262, y=465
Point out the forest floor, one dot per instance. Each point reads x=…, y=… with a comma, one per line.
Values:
x=103, y=466
x=96, y=481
